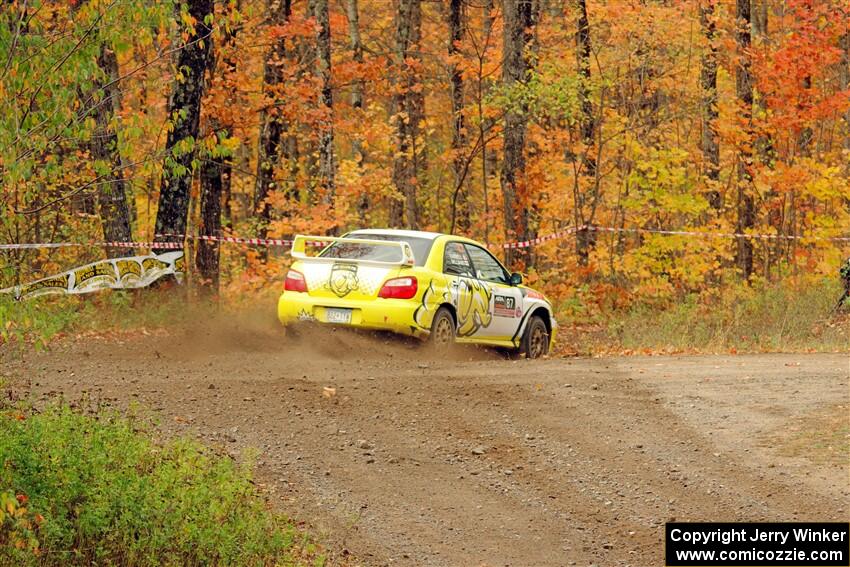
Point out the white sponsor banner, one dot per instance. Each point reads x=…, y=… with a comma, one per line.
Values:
x=118, y=273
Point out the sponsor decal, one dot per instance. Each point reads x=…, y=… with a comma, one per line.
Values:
x=531, y=294
x=48, y=285
x=505, y=306
x=305, y=316
x=431, y=301
x=471, y=299
x=121, y=273
x=151, y=263
x=104, y=271
x=343, y=279
x=128, y=269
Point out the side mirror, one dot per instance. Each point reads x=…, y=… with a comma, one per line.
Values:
x=516, y=278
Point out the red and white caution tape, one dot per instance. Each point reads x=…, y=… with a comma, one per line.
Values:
x=231, y=239
x=175, y=240
x=541, y=239
x=573, y=231
x=36, y=245
x=721, y=234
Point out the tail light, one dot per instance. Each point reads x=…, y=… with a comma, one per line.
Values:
x=399, y=288
x=295, y=282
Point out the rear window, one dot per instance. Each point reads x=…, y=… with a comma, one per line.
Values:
x=421, y=248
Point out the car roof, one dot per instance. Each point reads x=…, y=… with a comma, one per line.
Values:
x=392, y=231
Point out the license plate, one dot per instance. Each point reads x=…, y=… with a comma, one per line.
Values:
x=338, y=315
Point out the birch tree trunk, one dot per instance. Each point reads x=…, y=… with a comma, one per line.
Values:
x=708, y=84
x=460, y=197
x=745, y=205
x=356, y=45
x=584, y=239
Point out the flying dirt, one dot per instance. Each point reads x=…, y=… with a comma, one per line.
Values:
x=392, y=457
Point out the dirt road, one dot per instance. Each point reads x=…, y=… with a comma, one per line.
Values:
x=483, y=461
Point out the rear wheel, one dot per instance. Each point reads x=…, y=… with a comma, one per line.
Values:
x=535, y=341
x=443, y=330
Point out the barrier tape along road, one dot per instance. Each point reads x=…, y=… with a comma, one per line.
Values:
x=593, y=228
x=511, y=245
x=141, y=271
x=36, y=245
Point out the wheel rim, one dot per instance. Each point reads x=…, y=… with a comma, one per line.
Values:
x=443, y=333
x=538, y=342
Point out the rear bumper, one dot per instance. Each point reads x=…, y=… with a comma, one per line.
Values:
x=394, y=315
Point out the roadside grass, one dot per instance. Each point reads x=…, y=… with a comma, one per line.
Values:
x=97, y=489
x=791, y=316
x=760, y=318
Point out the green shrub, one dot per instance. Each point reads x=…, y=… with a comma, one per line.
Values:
x=104, y=493
x=39, y=320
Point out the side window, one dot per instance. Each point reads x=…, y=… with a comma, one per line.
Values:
x=486, y=267
x=456, y=261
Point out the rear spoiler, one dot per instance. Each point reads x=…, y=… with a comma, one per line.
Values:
x=299, y=250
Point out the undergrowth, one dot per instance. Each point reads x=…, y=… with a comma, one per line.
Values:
x=793, y=315
x=79, y=489
x=758, y=318
x=40, y=320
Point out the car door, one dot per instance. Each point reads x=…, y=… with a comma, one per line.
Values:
x=505, y=306
x=470, y=298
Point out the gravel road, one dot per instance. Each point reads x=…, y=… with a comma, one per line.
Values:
x=399, y=459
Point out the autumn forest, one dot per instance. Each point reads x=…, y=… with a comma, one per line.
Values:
x=505, y=120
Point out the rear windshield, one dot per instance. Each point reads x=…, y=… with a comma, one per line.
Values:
x=421, y=248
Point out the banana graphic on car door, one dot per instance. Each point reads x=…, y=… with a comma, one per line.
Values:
x=471, y=299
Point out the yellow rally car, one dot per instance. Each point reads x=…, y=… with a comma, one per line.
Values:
x=429, y=285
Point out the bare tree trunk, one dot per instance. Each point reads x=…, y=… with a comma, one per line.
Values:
x=519, y=22
x=185, y=104
x=460, y=198
x=745, y=204
x=409, y=107
x=207, y=256
x=484, y=124
x=845, y=85
x=215, y=178
x=584, y=239
x=708, y=83
x=319, y=10
x=357, y=89
x=272, y=127
x=112, y=197
x=229, y=70
x=764, y=142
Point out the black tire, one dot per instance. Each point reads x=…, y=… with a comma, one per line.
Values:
x=443, y=330
x=535, y=341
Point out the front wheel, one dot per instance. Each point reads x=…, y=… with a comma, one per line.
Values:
x=443, y=330
x=535, y=341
